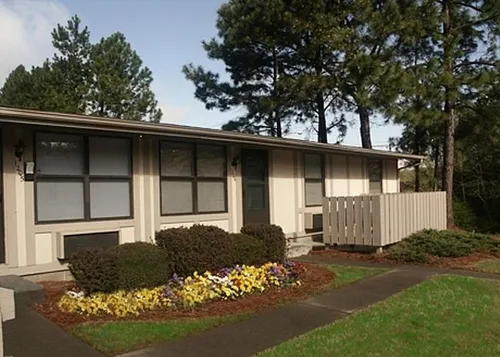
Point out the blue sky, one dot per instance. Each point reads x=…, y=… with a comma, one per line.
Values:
x=166, y=33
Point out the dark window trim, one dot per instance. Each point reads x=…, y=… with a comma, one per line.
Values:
x=86, y=178
x=194, y=179
x=314, y=180
x=380, y=179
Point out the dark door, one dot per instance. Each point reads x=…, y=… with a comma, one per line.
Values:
x=254, y=169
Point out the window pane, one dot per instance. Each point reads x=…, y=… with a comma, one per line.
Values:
x=57, y=201
x=109, y=199
x=314, y=193
x=59, y=154
x=375, y=170
x=210, y=161
x=211, y=197
x=313, y=166
x=109, y=156
x=176, y=197
x=176, y=159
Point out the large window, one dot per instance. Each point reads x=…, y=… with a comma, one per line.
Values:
x=314, y=174
x=82, y=177
x=375, y=175
x=193, y=178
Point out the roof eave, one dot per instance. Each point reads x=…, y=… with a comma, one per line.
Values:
x=10, y=115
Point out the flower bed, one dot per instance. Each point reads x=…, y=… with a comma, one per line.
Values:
x=228, y=283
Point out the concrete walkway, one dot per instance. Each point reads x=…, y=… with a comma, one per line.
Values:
x=319, y=259
x=32, y=335
x=260, y=332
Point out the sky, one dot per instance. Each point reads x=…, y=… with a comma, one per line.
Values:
x=166, y=34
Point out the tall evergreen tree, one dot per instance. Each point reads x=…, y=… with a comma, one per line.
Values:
x=121, y=84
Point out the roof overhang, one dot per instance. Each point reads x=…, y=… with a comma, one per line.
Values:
x=85, y=122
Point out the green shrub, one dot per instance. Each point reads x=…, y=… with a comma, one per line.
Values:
x=95, y=270
x=199, y=248
x=141, y=265
x=249, y=250
x=419, y=246
x=273, y=238
x=167, y=237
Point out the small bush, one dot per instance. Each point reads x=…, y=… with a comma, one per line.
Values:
x=419, y=246
x=95, y=270
x=141, y=265
x=166, y=237
x=273, y=238
x=198, y=248
x=248, y=250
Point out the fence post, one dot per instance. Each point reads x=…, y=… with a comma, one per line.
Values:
x=377, y=240
x=327, y=228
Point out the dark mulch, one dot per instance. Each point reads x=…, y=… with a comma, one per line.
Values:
x=466, y=262
x=315, y=279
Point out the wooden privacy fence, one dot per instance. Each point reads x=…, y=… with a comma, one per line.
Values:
x=379, y=220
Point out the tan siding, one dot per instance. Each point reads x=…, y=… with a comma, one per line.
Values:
x=356, y=179
x=339, y=175
x=282, y=190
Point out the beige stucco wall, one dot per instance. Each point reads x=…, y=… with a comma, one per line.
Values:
x=34, y=248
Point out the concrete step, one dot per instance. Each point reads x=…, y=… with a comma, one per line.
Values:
x=299, y=249
x=26, y=293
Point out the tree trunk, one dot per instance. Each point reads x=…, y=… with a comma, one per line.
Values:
x=436, y=166
x=279, y=130
x=451, y=120
x=364, y=121
x=322, y=131
x=419, y=136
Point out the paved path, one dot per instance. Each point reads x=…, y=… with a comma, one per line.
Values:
x=260, y=332
x=319, y=259
x=32, y=335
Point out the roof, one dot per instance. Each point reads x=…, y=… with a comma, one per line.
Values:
x=40, y=118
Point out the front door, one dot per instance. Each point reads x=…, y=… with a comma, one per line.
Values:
x=254, y=169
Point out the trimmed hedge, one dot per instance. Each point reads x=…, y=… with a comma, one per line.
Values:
x=141, y=265
x=94, y=270
x=199, y=248
x=249, y=250
x=273, y=238
x=127, y=266
x=422, y=246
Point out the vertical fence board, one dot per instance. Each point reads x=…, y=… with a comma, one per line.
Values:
x=367, y=221
x=327, y=227
x=334, y=221
x=359, y=237
x=377, y=242
x=341, y=210
x=349, y=201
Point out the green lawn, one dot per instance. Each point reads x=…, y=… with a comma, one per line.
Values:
x=488, y=266
x=114, y=338
x=445, y=316
x=347, y=275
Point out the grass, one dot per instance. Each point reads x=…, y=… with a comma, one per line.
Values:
x=350, y=274
x=113, y=338
x=488, y=266
x=445, y=316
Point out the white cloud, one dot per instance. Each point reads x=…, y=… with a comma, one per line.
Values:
x=25, y=27
x=172, y=114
